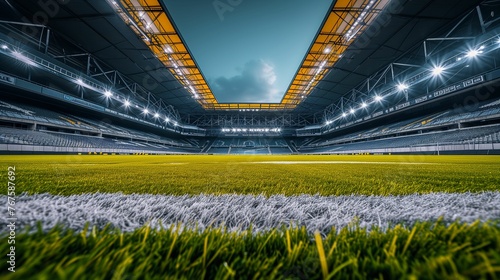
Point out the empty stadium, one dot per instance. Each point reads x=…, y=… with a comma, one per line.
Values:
x=345, y=139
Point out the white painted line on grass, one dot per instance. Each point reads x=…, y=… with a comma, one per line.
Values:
x=240, y=212
x=336, y=162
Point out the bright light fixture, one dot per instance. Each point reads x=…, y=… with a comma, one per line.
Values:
x=438, y=70
x=327, y=50
x=167, y=120
x=5, y=47
x=23, y=58
x=352, y=111
x=145, y=111
x=344, y=115
x=108, y=93
x=156, y=115
x=126, y=103
x=363, y=105
x=472, y=53
x=402, y=87
x=378, y=98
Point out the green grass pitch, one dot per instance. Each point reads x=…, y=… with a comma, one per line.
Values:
x=427, y=250
x=324, y=175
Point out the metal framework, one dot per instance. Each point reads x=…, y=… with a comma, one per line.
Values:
x=346, y=20
x=391, y=88
x=94, y=76
x=256, y=119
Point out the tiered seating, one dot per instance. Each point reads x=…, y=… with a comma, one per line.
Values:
x=22, y=111
x=46, y=138
x=277, y=150
x=490, y=109
x=218, y=150
x=239, y=145
x=478, y=135
x=249, y=151
x=59, y=121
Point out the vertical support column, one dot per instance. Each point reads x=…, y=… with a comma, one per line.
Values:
x=88, y=64
x=481, y=20
x=41, y=38
x=47, y=41
x=425, y=52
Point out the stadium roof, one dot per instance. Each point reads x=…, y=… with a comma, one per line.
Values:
x=140, y=39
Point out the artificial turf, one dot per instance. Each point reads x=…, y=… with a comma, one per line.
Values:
x=427, y=250
x=268, y=175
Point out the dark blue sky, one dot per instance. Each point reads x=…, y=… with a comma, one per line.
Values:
x=248, y=50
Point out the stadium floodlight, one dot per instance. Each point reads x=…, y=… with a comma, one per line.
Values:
x=437, y=71
x=5, y=47
x=352, y=111
x=21, y=57
x=364, y=105
x=108, y=93
x=156, y=115
x=473, y=53
x=378, y=98
x=344, y=115
x=126, y=103
x=402, y=87
x=80, y=82
x=145, y=111
x=168, y=49
x=327, y=50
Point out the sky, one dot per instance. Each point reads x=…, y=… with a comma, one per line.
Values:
x=248, y=50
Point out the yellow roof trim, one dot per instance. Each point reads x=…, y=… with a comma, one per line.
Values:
x=341, y=27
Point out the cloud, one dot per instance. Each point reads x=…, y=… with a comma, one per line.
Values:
x=256, y=83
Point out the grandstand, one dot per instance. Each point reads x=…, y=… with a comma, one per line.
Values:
x=72, y=98
x=253, y=116
x=402, y=107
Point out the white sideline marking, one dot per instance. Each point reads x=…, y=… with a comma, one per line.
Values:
x=242, y=212
x=335, y=162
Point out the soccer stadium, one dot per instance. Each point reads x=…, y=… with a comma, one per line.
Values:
x=238, y=139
